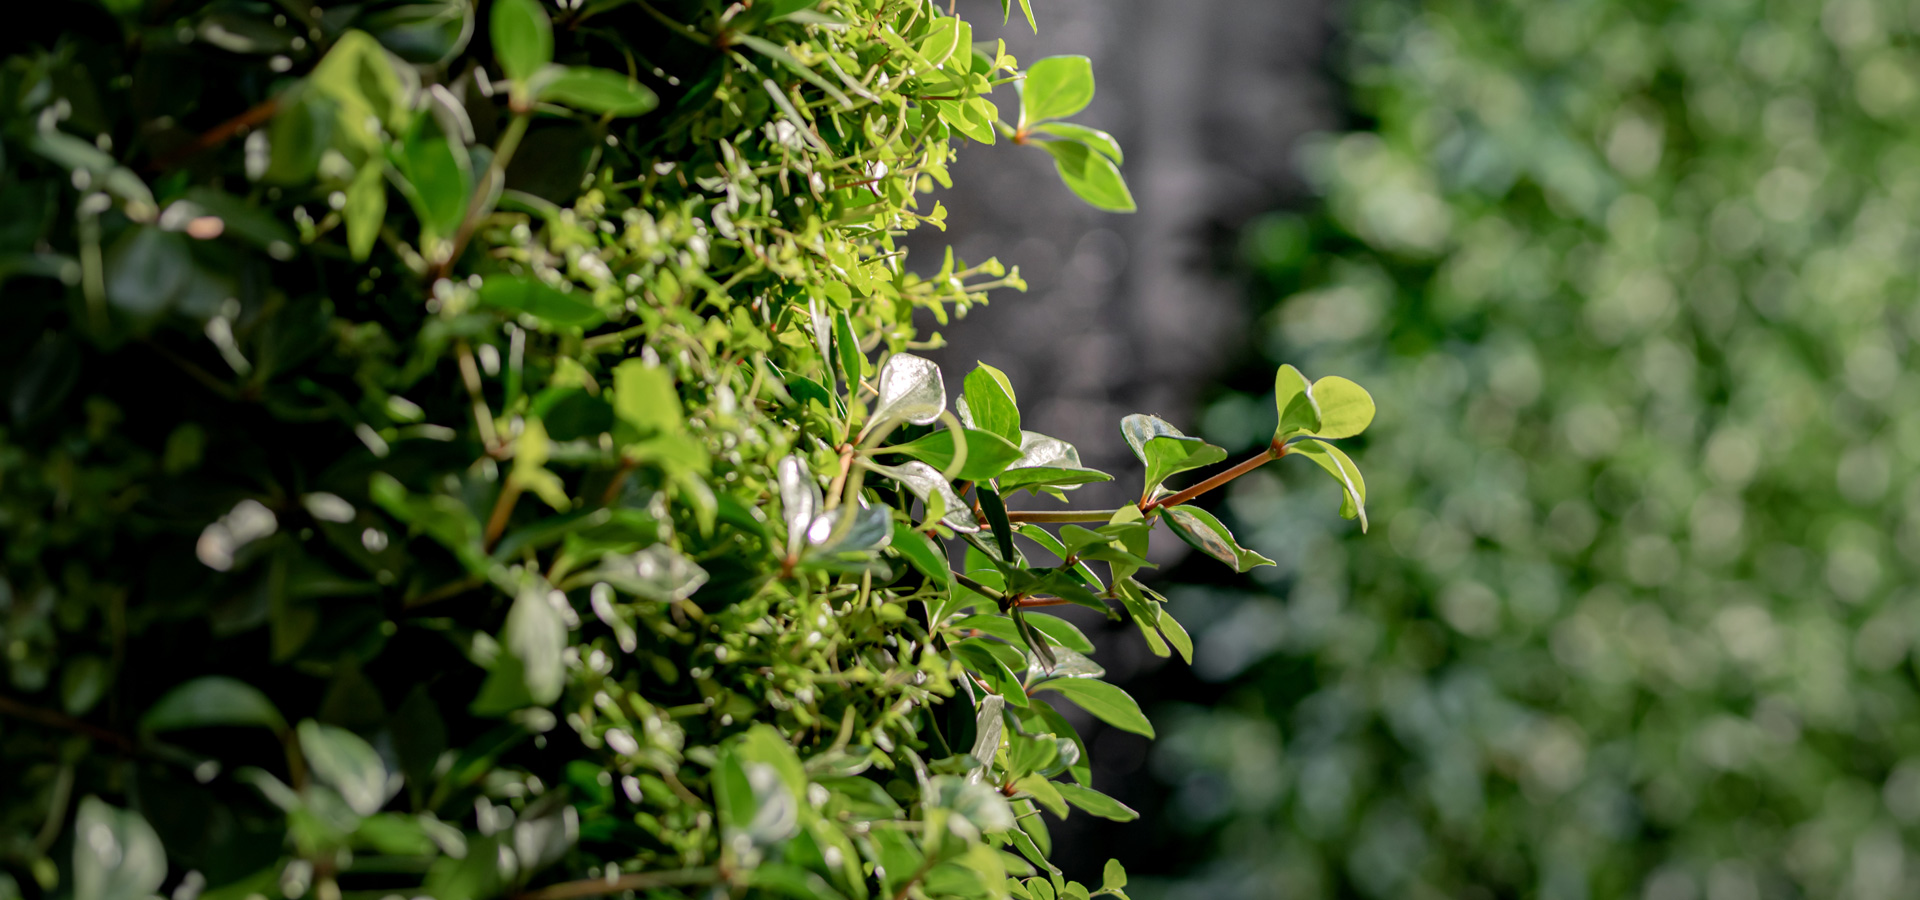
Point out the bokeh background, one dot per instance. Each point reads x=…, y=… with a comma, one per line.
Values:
x=1633, y=284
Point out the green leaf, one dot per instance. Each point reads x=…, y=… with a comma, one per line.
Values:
x=978, y=656
x=439, y=178
x=366, y=208
x=1293, y=399
x=300, y=134
x=522, y=38
x=644, y=397
x=351, y=765
x=1353, y=503
x=853, y=363
x=926, y=483
x=601, y=91
x=1100, y=141
x=146, y=270
x=990, y=403
x=776, y=52
x=1165, y=450
x=530, y=670
x=1063, y=632
x=116, y=854
x=1100, y=805
x=996, y=510
x=988, y=454
x=1047, y=462
x=1201, y=529
x=1107, y=703
x=922, y=553
x=1175, y=633
x=209, y=702
x=536, y=298
x=1091, y=175
x=1346, y=409
x=1044, y=793
x=1055, y=87
x=910, y=388
x=1114, y=877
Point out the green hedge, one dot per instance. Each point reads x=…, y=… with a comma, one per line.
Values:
x=476, y=451
x=1634, y=282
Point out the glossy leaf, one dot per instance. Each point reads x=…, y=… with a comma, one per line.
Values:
x=600, y=91
x=1164, y=449
x=1047, y=462
x=977, y=656
x=910, y=389
x=1206, y=534
x=1107, y=703
x=921, y=552
x=1055, y=87
x=926, y=483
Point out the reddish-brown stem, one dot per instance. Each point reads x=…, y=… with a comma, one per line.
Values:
x=1045, y=517
x=1032, y=602
x=218, y=134
x=502, y=510
x=1274, y=451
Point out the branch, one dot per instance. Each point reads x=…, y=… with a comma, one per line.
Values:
x=218, y=134
x=51, y=719
x=639, y=881
x=1274, y=451
x=1066, y=515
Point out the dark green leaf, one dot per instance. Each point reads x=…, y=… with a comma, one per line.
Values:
x=996, y=511
x=1107, y=703
x=146, y=270
x=439, y=178
x=1098, y=804
x=212, y=701
x=976, y=655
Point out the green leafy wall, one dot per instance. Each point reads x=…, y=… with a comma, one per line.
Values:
x=1634, y=284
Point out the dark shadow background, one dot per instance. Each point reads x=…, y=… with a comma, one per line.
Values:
x=1134, y=313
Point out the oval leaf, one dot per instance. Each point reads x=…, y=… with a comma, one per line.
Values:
x=991, y=404
x=988, y=454
x=1346, y=409
x=1199, y=528
x=910, y=388
x=598, y=91
x=1054, y=88
x=540, y=300
x=342, y=759
x=522, y=38
x=211, y=702
x=116, y=854
x=1091, y=175
x=1107, y=703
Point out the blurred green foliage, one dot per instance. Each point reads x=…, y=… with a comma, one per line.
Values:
x=1634, y=284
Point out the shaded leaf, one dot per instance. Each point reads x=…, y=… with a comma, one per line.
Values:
x=522, y=38
x=212, y=701
x=536, y=298
x=351, y=765
x=116, y=854
x=597, y=91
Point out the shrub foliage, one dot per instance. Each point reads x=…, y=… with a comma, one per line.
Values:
x=476, y=451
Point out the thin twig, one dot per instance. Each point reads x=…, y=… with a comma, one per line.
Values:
x=218, y=134
x=64, y=722
x=1274, y=451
